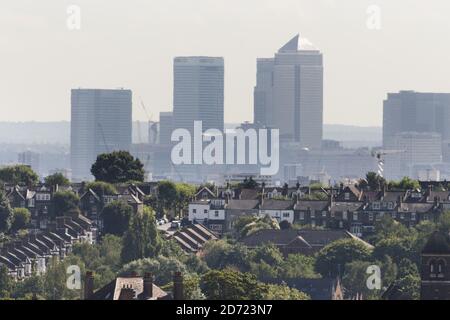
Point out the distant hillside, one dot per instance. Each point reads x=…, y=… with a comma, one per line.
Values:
x=59, y=133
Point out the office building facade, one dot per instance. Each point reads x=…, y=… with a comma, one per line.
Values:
x=100, y=122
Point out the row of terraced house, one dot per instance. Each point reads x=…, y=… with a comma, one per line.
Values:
x=52, y=237
x=345, y=207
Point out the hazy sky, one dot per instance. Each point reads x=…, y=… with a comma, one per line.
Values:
x=131, y=43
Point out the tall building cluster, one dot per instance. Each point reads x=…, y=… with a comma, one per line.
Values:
x=416, y=131
x=288, y=96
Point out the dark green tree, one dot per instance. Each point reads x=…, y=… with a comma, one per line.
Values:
x=19, y=175
x=102, y=188
x=374, y=181
x=331, y=260
x=64, y=202
x=6, y=282
x=6, y=213
x=22, y=217
x=116, y=217
x=229, y=284
x=167, y=195
x=117, y=167
x=142, y=239
x=56, y=179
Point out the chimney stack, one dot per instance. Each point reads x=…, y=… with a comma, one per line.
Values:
x=148, y=285
x=88, y=285
x=178, y=293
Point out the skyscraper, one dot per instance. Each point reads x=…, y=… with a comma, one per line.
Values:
x=410, y=111
x=100, y=122
x=198, y=93
x=165, y=127
x=289, y=93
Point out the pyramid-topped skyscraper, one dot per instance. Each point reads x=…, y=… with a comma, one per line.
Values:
x=289, y=93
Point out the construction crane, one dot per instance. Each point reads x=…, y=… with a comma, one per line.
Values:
x=380, y=156
x=104, y=138
x=149, y=117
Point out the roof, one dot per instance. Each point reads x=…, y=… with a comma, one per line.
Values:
x=272, y=204
x=242, y=204
x=291, y=45
x=248, y=194
x=112, y=290
x=312, y=205
x=438, y=243
x=312, y=238
x=346, y=206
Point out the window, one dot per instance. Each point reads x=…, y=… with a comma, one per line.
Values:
x=194, y=210
x=344, y=215
x=216, y=213
x=302, y=215
x=324, y=214
x=205, y=211
x=394, y=215
x=376, y=206
x=286, y=214
x=313, y=214
x=370, y=216
x=413, y=216
x=347, y=196
x=390, y=206
x=355, y=216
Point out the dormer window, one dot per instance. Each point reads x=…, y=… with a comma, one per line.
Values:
x=376, y=206
x=347, y=196
x=390, y=206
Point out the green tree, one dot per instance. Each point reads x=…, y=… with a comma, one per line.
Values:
x=331, y=260
x=396, y=248
x=64, y=202
x=405, y=184
x=229, y=284
x=110, y=249
x=6, y=213
x=282, y=292
x=21, y=219
x=116, y=217
x=6, y=282
x=408, y=280
x=142, y=239
x=56, y=179
x=167, y=195
x=298, y=266
x=444, y=222
x=249, y=183
x=19, y=175
x=374, y=181
x=387, y=227
x=260, y=224
x=117, y=167
x=185, y=192
x=102, y=188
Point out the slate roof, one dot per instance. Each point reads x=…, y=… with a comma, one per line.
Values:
x=313, y=238
x=305, y=205
x=242, y=204
x=272, y=204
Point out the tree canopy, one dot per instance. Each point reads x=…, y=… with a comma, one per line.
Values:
x=116, y=217
x=56, y=179
x=117, y=167
x=19, y=175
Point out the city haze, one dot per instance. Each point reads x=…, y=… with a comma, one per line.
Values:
x=132, y=44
